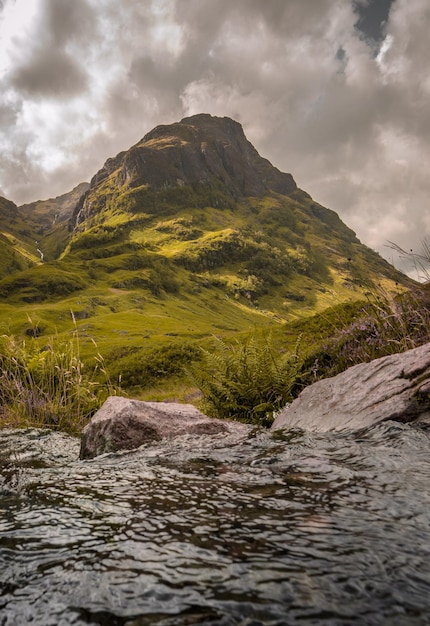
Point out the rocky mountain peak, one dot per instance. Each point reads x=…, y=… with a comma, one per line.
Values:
x=200, y=128
x=198, y=149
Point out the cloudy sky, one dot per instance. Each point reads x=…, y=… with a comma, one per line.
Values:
x=336, y=92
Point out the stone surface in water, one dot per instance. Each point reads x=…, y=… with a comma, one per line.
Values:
x=395, y=387
x=124, y=424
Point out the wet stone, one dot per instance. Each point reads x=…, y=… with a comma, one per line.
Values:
x=394, y=387
x=124, y=424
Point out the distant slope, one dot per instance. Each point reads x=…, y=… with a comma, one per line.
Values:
x=50, y=220
x=35, y=232
x=50, y=212
x=17, y=248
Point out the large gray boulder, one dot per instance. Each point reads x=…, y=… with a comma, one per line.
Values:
x=124, y=424
x=395, y=387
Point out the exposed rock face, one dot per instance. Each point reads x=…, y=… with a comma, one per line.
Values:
x=123, y=424
x=395, y=387
x=54, y=210
x=8, y=208
x=198, y=149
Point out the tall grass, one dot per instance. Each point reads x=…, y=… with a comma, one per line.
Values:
x=50, y=386
x=420, y=260
x=386, y=325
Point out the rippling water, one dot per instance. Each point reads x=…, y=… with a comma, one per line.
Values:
x=277, y=529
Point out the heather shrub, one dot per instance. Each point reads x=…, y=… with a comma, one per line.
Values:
x=386, y=325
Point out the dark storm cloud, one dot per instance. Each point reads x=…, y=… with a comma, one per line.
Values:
x=66, y=21
x=50, y=64
x=48, y=74
x=372, y=18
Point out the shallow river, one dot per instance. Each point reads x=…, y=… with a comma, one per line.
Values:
x=280, y=529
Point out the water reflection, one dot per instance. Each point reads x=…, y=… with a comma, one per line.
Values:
x=289, y=528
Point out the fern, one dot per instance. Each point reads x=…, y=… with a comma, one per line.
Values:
x=247, y=380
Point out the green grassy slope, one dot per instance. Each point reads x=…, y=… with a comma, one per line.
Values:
x=137, y=284
x=150, y=271
x=18, y=249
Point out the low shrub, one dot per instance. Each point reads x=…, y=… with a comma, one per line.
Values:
x=386, y=325
x=247, y=380
x=38, y=284
x=157, y=281
x=98, y=236
x=137, y=369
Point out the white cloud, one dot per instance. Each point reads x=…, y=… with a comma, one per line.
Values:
x=15, y=17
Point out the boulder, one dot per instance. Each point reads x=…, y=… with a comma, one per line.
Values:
x=395, y=387
x=124, y=424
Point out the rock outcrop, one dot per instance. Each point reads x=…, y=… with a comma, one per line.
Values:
x=8, y=208
x=124, y=424
x=395, y=387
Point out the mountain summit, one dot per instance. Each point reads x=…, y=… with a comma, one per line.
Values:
x=202, y=149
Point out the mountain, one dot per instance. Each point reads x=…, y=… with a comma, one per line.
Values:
x=36, y=232
x=190, y=232
x=209, y=154
x=17, y=248
x=50, y=219
x=50, y=212
x=197, y=195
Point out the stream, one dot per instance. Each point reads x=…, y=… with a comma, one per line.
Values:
x=275, y=528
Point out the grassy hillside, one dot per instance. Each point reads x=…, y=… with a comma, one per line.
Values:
x=142, y=283
x=188, y=235
x=18, y=250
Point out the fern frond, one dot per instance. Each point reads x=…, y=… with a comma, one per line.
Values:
x=246, y=380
